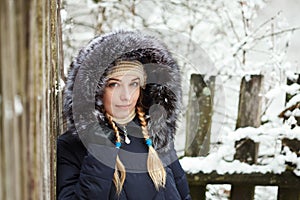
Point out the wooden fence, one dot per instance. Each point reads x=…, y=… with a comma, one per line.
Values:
x=249, y=111
x=30, y=101
x=287, y=182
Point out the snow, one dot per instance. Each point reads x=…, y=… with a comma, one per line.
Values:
x=222, y=160
x=296, y=112
x=292, y=89
x=291, y=75
x=63, y=15
x=18, y=106
x=248, y=77
x=291, y=120
x=59, y=86
x=223, y=167
x=274, y=92
x=293, y=100
x=280, y=89
x=12, y=107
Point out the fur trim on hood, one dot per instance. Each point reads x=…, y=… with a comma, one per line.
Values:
x=161, y=96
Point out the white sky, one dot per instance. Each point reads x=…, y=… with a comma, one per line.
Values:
x=290, y=10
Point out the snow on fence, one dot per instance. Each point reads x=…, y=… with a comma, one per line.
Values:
x=236, y=161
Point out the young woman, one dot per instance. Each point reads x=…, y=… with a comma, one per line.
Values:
x=122, y=99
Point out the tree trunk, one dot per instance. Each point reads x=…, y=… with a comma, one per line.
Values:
x=30, y=97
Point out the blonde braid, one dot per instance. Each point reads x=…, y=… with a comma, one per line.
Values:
x=155, y=167
x=120, y=172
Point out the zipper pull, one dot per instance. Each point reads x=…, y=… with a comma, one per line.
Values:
x=127, y=140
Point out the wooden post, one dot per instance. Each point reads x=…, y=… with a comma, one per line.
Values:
x=250, y=101
x=246, y=151
x=197, y=192
x=197, y=189
x=242, y=191
x=289, y=193
x=249, y=112
x=29, y=98
x=199, y=114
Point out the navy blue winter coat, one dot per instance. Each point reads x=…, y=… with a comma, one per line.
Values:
x=80, y=174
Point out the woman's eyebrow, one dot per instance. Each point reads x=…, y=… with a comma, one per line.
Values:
x=135, y=79
x=114, y=79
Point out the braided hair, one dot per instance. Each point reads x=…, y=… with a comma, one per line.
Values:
x=155, y=167
x=120, y=173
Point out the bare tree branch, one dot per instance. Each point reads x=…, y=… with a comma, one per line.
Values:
x=277, y=33
x=232, y=26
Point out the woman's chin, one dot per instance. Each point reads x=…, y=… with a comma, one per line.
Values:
x=121, y=114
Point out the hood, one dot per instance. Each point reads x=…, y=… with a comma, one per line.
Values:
x=161, y=95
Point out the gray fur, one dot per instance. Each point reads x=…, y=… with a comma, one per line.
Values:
x=162, y=94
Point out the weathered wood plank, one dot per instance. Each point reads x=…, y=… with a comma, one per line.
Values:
x=242, y=191
x=199, y=115
x=285, y=179
x=250, y=101
x=30, y=70
x=288, y=184
x=249, y=113
x=291, y=193
x=197, y=192
x=9, y=133
x=246, y=151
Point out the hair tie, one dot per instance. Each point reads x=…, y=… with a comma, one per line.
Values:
x=149, y=142
x=118, y=145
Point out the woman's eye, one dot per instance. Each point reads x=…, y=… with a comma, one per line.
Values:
x=135, y=84
x=112, y=85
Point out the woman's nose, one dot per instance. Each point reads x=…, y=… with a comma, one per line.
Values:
x=125, y=94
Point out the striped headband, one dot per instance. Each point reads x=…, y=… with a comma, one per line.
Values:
x=134, y=68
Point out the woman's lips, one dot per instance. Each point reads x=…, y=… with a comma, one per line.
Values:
x=123, y=106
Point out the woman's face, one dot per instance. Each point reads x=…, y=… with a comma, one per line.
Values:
x=120, y=95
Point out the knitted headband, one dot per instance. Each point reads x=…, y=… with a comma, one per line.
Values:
x=128, y=68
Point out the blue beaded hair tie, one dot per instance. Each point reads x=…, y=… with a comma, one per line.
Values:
x=118, y=145
x=149, y=142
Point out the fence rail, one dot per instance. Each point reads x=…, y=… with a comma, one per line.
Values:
x=288, y=183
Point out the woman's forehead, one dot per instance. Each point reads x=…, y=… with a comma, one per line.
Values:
x=124, y=78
